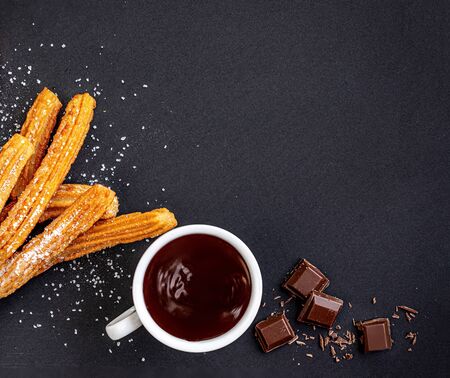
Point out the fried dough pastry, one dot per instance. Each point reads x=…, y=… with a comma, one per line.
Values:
x=43, y=250
x=65, y=196
x=13, y=157
x=121, y=230
x=38, y=126
x=33, y=201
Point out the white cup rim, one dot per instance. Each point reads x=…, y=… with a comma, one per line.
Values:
x=205, y=345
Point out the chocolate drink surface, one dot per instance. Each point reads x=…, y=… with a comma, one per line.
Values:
x=197, y=287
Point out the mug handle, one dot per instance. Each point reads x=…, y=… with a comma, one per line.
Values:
x=124, y=324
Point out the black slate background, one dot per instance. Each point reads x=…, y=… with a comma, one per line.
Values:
x=313, y=129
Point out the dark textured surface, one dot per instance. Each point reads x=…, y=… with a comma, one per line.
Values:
x=310, y=129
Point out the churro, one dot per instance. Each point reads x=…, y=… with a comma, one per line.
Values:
x=13, y=157
x=32, y=202
x=66, y=196
x=38, y=126
x=61, y=200
x=121, y=230
x=43, y=250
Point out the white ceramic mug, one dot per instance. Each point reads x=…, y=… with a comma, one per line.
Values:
x=138, y=315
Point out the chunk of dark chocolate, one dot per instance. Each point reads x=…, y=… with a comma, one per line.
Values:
x=320, y=309
x=305, y=278
x=376, y=334
x=274, y=332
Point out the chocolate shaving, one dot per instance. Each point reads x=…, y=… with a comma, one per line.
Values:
x=332, y=351
x=408, y=316
x=308, y=337
x=351, y=337
x=309, y=355
x=408, y=309
x=412, y=337
x=374, y=300
x=326, y=340
x=338, y=327
x=396, y=316
x=298, y=342
x=287, y=301
x=348, y=356
x=350, y=305
x=332, y=334
x=341, y=341
x=294, y=339
x=321, y=343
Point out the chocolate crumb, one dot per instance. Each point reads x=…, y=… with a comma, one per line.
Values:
x=338, y=327
x=321, y=343
x=263, y=305
x=326, y=340
x=409, y=349
x=395, y=316
x=374, y=300
x=337, y=359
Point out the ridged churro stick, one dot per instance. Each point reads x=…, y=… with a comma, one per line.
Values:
x=38, y=126
x=13, y=157
x=65, y=196
x=121, y=230
x=43, y=250
x=31, y=204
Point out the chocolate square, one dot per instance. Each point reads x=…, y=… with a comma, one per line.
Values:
x=376, y=334
x=305, y=278
x=320, y=309
x=274, y=332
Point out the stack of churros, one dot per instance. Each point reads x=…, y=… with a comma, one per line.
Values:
x=83, y=218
